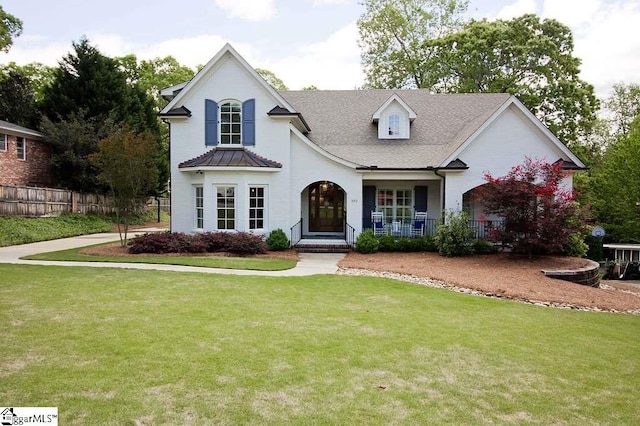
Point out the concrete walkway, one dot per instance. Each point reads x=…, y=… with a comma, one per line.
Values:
x=309, y=263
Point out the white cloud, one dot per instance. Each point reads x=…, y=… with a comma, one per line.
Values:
x=608, y=51
x=326, y=2
x=250, y=10
x=517, y=8
x=571, y=12
x=330, y=64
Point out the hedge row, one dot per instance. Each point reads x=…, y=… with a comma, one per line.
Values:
x=208, y=242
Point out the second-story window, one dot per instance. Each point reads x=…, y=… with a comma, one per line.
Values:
x=230, y=123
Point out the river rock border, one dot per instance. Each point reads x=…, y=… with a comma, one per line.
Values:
x=441, y=284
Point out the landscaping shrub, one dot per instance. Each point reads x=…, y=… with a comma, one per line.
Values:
x=277, y=240
x=454, y=238
x=387, y=243
x=216, y=241
x=576, y=246
x=246, y=243
x=595, y=250
x=367, y=243
x=166, y=242
x=484, y=247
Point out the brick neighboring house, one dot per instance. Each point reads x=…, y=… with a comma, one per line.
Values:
x=24, y=156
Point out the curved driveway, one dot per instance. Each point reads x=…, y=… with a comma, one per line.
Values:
x=309, y=263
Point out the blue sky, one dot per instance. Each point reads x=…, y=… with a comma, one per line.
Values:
x=303, y=41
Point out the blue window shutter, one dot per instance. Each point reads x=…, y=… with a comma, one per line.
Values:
x=210, y=122
x=368, y=205
x=249, y=122
x=421, y=198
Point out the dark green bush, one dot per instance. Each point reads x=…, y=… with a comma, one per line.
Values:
x=277, y=240
x=387, y=243
x=484, y=247
x=454, y=238
x=367, y=243
x=595, y=250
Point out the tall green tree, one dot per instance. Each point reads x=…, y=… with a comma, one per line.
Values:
x=74, y=138
x=395, y=40
x=91, y=85
x=154, y=74
x=38, y=74
x=272, y=79
x=615, y=188
x=624, y=106
x=527, y=57
x=17, y=99
x=126, y=164
x=10, y=28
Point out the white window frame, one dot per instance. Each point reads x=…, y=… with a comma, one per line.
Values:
x=231, y=134
x=390, y=210
x=4, y=142
x=263, y=208
x=198, y=207
x=226, y=208
x=21, y=141
x=393, y=120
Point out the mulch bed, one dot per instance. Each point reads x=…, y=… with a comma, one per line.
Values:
x=505, y=276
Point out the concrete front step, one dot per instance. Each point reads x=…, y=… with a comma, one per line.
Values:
x=319, y=245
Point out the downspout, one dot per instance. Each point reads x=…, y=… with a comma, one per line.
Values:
x=444, y=190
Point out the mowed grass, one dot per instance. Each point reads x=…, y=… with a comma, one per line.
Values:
x=250, y=263
x=112, y=346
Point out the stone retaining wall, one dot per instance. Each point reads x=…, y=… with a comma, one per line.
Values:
x=588, y=275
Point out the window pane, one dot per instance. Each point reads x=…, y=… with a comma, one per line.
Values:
x=235, y=139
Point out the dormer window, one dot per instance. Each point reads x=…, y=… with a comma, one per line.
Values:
x=230, y=123
x=394, y=125
x=394, y=119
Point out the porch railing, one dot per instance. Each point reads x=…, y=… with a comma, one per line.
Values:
x=349, y=235
x=482, y=229
x=296, y=233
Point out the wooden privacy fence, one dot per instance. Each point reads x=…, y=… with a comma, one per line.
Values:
x=32, y=201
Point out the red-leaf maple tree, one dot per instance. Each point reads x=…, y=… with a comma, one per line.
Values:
x=540, y=213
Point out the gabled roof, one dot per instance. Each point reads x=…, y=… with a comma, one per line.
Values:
x=341, y=123
x=398, y=99
x=513, y=102
x=14, y=129
x=227, y=49
x=229, y=157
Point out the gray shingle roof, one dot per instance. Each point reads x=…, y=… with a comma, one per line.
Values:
x=341, y=124
x=6, y=127
x=229, y=157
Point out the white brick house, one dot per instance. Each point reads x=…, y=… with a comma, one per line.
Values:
x=246, y=157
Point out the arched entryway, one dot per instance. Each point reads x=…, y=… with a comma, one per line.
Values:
x=326, y=212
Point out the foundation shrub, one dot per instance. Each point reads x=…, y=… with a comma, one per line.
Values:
x=277, y=240
x=246, y=243
x=367, y=243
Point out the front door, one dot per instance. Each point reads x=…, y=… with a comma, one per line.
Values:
x=326, y=207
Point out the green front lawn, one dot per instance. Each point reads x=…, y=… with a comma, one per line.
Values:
x=114, y=346
x=250, y=263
